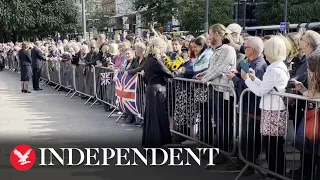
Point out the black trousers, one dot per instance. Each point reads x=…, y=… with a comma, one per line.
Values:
x=251, y=138
x=274, y=154
x=36, y=73
x=222, y=112
x=311, y=166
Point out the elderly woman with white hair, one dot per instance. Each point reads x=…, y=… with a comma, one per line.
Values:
x=137, y=64
x=273, y=110
x=156, y=129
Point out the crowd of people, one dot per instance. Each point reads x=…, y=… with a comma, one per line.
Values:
x=278, y=63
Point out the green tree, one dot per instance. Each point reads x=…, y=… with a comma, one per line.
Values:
x=191, y=14
x=34, y=18
x=102, y=21
x=160, y=11
x=298, y=11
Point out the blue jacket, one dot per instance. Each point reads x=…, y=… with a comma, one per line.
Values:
x=200, y=64
x=189, y=70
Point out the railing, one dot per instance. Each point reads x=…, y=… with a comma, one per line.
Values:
x=284, y=125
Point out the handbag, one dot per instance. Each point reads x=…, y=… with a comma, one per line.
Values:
x=312, y=125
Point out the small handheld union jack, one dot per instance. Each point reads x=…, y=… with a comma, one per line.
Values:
x=105, y=78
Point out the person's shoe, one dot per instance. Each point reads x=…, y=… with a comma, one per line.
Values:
x=129, y=120
x=293, y=173
x=26, y=91
x=135, y=123
x=38, y=89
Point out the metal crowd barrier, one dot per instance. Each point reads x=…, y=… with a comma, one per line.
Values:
x=45, y=76
x=204, y=113
x=84, y=81
x=105, y=86
x=265, y=140
x=141, y=93
x=12, y=62
x=54, y=73
x=66, y=76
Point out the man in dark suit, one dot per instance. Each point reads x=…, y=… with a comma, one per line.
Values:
x=37, y=57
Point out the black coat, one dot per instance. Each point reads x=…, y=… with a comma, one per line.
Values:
x=24, y=57
x=37, y=57
x=136, y=66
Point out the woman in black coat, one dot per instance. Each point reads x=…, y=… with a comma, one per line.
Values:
x=25, y=67
x=156, y=129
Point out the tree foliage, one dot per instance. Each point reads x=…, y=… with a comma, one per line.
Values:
x=100, y=24
x=298, y=11
x=160, y=11
x=191, y=13
x=31, y=18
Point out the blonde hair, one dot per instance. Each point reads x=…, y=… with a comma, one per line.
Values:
x=288, y=44
x=25, y=45
x=85, y=49
x=294, y=38
x=105, y=50
x=126, y=44
x=113, y=49
x=155, y=46
x=220, y=29
x=140, y=46
x=275, y=48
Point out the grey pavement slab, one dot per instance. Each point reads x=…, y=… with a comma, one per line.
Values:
x=50, y=117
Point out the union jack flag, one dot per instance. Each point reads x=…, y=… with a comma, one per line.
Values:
x=105, y=78
x=126, y=88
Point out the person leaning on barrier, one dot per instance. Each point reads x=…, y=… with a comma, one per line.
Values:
x=309, y=43
x=139, y=60
x=273, y=110
x=84, y=50
x=101, y=42
x=91, y=56
x=310, y=149
x=186, y=110
x=203, y=54
x=224, y=59
x=252, y=113
x=293, y=56
x=130, y=58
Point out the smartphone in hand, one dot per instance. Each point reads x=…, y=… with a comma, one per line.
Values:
x=245, y=66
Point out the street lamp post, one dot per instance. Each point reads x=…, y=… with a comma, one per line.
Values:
x=84, y=19
x=244, y=13
x=206, y=23
x=286, y=15
x=93, y=25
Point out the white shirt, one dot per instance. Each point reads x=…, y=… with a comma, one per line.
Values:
x=276, y=75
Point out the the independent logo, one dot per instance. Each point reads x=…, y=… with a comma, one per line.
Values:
x=22, y=157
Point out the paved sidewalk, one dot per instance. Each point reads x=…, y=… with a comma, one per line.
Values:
x=51, y=117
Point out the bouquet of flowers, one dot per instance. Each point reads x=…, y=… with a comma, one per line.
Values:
x=175, y=65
